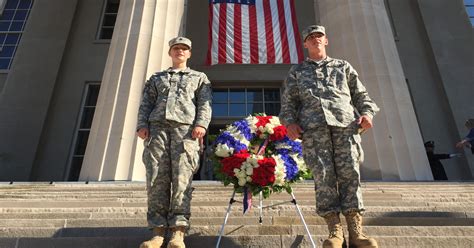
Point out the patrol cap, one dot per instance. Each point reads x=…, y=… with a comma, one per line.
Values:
x=429, y=143
x=180, y=40
x=313, y=29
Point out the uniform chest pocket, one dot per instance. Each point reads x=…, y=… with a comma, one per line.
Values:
x=163, y=88
x=309, y=89
x=187, y=86
x=337, y=79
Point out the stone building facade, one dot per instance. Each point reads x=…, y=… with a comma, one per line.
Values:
x=71, y=75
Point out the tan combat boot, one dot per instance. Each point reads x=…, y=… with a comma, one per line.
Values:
x=157, y=240
x=177, y=239
x=356, y=238
x=336, y=235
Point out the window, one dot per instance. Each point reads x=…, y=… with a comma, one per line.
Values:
x=470, y=10
x=230, y=102
x=12, y=23
x=108, y=19
x=82, y=130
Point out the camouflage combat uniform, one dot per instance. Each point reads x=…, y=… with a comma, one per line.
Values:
x=173, y=104
x=325, y=98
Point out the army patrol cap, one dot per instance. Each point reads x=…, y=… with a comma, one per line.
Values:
x=313, y=29
x=180, y=40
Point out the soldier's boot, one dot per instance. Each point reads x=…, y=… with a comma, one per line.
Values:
x=177, y=238
x=336, y=235
x=357, y=239
x=157, y=240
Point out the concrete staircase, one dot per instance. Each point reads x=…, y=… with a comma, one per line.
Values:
x=405, y=214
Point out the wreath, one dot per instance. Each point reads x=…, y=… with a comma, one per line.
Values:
x=255, y=155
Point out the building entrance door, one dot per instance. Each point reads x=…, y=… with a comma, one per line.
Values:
x=230, y=104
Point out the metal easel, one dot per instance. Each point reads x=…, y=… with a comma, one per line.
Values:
x=260, y=219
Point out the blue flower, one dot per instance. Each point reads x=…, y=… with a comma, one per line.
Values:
x=244, y=129
x=230, y=141
x=295, y=147
x=290, y=166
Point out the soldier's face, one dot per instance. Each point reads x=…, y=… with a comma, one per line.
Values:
x=180, y=53
x=316, y=41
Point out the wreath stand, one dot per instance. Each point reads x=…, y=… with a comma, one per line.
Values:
x=260, y=220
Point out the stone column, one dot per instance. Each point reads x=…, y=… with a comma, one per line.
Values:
x=139, y=47
x=26, y=96
x=360, y=32
x=2, y=5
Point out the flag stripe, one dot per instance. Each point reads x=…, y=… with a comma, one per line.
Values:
x=237, y=34
x=215, y=28
x=229, y=35
x=209, y=37
x=245, y=35
x=253, y=32
x=222, y=34
x=295, y=30
x=283, y=33
x=255, y=58
x=276, y=32
x=290, y=34
x=269, y=32
x=262, y=39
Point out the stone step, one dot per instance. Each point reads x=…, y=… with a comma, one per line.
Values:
x=227, y=190
x=458, y=197
x=206, y=211
x=235, y=220
x=400, y=214
x=232, y=230
x=217, y=186
x=92, y=203
x=255, y=241
x=141, y=214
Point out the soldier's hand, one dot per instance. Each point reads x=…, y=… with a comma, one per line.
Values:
x=143, y=133
x=365, y=122
x=462, y=143
x=294, y=131
x=198, y=132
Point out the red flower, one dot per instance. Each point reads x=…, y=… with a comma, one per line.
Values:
x=235, y=161
x=278, y=133
x=264, y=174
x=263, y=120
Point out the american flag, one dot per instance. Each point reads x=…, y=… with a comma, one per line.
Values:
x=253, y=32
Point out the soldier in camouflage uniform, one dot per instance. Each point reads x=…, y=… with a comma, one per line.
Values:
x=325, y=104
x=174, y=114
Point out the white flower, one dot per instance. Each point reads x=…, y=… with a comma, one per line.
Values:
x=275, y=121
x=253, y=160
x=236, y=134
x=282, y=146
x=249, y=171
x=269, y=128
x=280, y=171
x=252, y=122
x=222, y=150
x=299, y=162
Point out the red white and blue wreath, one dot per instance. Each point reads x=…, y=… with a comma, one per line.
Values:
x=255, y=155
